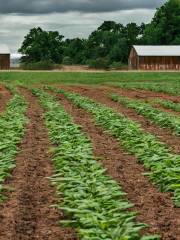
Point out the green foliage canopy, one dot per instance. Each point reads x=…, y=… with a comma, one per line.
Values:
x=165, y=26
x=41, y=45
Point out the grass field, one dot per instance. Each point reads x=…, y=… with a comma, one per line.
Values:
x=89, y=156
x=88, y=78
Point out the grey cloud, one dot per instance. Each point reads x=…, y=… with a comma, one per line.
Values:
x=73, y=24
x=49, y=6
x=71, y=18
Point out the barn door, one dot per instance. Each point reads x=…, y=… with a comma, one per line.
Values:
x=4, y=62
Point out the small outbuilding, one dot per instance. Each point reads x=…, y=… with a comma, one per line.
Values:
x=155, y=58
x=4, y=57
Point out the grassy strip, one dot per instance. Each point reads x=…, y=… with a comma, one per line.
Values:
x=173, y=89
x=29, y=78
x=164, y=166
x=163, y=119
x=12, y=123
x=168, y=104
x=92, y=200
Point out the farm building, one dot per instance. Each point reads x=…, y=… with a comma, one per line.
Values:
x=155, y=58
x=4, y=57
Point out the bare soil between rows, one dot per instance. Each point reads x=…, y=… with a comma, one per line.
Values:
x=144, y=93
x=5, y=96
x=146, y=97
x=101, y=95
x=27, y=213
x=155, y=209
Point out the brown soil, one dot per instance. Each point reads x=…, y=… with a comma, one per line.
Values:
x=155, y=208
x=100, y=95
x=145, y=94
x=172, y=112
x=27, y=214
x=138, y=94
x=5, y=96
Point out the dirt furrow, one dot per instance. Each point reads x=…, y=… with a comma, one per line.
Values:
x=27, y=214
x=155, y=208
x=170, y=111
x=100, y=95
x=5, y=96
x=143, y=97
x=143, y=93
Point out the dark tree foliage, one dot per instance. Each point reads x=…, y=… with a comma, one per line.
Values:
x=111, y=41
x=74, y=49
x=110, y=44
x=41, y=45
x=165, y=26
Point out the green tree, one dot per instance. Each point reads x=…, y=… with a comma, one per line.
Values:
x=112, y=41
x=165, y=26
x=101, y=41
x=41, y=45
x=133, y=32
x=75, y=50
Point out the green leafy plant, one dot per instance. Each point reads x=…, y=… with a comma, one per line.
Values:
x=99, y=63
x=118, y=66
x=163, y=119
x=41, y=65
x=163, y=165
x=167, y=104
x=173, y=89
x=94, y=203
x=12, y=123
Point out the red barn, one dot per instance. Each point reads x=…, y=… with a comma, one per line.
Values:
x=4, y=57
x=155, y=58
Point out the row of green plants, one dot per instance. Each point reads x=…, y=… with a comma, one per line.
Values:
x=168, y=104
x=163, y=165
x=94, y=203
x=173, y=89
x=163, y=119
x=12, y=128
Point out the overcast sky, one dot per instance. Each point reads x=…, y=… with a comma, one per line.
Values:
x=72, y=18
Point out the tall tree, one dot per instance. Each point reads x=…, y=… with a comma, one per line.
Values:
x=75, y=50
x=112, y=40
x=165, y=26
x=41, y=45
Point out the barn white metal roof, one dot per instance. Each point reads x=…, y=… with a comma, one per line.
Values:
x=157, y=50
x=4, y=49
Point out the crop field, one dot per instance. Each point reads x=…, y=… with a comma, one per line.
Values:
x=90, y=158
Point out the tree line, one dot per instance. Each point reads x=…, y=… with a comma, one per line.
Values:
x=108, y=45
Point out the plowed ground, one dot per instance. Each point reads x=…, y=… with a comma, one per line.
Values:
x=27, y=213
